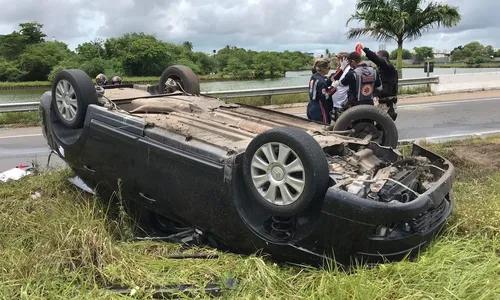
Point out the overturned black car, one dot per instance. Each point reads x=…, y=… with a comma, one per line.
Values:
x=247, y=178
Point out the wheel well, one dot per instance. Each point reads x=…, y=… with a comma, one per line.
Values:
x=260, y=220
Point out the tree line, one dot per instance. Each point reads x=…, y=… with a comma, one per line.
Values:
x=25, y=55
x=473, y=53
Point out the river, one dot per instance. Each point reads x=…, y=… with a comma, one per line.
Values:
x=291, y=79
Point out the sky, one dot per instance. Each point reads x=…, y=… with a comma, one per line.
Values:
x=278, y=25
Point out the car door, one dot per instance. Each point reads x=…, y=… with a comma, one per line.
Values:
x=110, y=155
x=180, y=180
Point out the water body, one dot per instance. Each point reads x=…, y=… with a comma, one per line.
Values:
x=291, y=79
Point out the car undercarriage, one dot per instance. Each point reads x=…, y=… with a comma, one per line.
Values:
x=247, y=178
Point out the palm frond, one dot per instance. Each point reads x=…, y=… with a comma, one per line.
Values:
x=433, y=16
x=401, y=19
x=377, y=34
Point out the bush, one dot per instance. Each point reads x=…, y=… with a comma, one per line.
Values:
x=94, y=67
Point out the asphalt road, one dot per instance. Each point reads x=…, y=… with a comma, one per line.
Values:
x=25, y=146
x=446, y=120
x=440, y=121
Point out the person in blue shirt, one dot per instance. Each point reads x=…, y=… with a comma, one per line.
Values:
x=363, y=81
x=318, y=106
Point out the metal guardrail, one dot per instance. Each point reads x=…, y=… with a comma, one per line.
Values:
x=267, y=92
x=304, y=89
x=19, y=107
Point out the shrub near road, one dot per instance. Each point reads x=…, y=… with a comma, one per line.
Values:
x=68, y=245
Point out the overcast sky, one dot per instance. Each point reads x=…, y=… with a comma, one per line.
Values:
x=304, y=25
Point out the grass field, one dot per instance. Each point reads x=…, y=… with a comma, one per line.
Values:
x=66, y=245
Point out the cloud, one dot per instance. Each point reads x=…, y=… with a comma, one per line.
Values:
x=304, y=25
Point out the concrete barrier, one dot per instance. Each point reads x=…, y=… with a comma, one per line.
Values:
x=467, y=82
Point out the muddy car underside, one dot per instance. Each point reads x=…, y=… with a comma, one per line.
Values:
x=231, y=127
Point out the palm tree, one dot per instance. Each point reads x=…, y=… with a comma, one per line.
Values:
x=400, y=20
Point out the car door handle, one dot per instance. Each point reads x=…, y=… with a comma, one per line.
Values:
x=150, y=200
x=89, y=169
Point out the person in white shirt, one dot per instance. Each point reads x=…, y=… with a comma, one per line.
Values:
x=339, y=91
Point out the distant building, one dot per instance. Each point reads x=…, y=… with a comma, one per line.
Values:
x=442, y=56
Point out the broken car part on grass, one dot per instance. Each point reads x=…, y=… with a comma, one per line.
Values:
x=248, y=178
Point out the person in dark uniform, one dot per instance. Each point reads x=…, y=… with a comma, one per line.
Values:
x=388, y=97
x=317, y=108
x=363, y=81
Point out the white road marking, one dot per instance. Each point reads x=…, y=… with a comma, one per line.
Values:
x=458, y=135
x=444, y=103
x=421, y=105
x=20, y=136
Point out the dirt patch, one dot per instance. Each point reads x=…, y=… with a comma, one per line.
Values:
x=485, y=156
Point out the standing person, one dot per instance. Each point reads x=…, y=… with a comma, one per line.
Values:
x=388, y=97
x=362, y=81
x=318, y=95
x=339, y=91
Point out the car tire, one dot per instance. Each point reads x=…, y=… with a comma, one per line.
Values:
x=184, y=76
x=360, y=117
x=77, y=86
x=303, y=171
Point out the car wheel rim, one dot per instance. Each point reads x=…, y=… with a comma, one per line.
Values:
x=66, y=100
x=278, y=174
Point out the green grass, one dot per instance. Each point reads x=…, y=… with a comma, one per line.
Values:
x=28, y=118
x=70, y=245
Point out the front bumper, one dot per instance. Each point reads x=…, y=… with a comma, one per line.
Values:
x=408, y=226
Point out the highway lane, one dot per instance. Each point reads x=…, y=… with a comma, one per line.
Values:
x=443, y=119
x=426, y=120
x=25, y=146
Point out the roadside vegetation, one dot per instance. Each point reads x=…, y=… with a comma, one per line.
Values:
x=472, y=55
x=27, y=119
x=66, y=244
x=28, y=58
x=18, y=119
x=126, y=79
x=26, y=55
